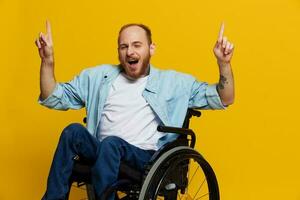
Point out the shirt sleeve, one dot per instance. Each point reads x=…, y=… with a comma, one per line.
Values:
x=205, y=96
x=70, y=95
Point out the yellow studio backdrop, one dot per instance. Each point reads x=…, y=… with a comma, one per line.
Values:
x=253, y=146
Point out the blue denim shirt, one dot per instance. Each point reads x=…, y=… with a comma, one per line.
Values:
x=169, y=94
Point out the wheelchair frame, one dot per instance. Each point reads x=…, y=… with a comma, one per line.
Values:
x=141, y=186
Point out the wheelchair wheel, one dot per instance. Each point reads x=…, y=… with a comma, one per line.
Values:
x=180, y=173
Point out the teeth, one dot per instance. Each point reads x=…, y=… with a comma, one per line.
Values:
x=132, y=61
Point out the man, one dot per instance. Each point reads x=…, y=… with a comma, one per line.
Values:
x=125, y=103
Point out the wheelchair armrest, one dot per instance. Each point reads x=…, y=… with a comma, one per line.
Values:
x=180, y=131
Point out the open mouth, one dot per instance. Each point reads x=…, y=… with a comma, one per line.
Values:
x=133, y=63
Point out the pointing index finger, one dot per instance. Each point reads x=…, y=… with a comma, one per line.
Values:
x=221, y=32
x=48, y=27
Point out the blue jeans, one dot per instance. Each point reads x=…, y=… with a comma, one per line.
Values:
x=106, y=155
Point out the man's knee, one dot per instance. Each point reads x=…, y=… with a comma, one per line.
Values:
x=71, y=129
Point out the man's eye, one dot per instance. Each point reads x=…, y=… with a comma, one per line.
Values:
x=137, y=45
x=122, y=47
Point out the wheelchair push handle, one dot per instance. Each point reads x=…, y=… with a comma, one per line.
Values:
x=194, y=112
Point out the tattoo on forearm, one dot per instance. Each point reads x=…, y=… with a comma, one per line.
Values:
x=222, y=82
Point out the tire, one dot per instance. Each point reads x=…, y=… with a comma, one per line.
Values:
x=180, y=173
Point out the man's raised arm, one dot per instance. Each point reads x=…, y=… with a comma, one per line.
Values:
x=45, y=47
x=223, y=51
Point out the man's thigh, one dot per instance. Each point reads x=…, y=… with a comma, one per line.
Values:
x=130, y=154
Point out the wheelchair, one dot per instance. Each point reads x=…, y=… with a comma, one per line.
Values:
x=175, y=171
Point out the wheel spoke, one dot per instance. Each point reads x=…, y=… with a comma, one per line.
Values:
x=199, y=188
x=193, y=175
x=186, y=197
x=202, y=196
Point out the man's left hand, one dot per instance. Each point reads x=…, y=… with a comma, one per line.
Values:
x=223, y=49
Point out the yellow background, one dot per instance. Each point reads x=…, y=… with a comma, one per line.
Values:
x=253, y=146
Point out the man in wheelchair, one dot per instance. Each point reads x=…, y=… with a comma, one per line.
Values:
x=125, y=104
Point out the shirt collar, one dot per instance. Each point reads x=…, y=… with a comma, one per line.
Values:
x=152, y=83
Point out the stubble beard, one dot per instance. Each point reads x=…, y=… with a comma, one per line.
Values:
x=143, y=70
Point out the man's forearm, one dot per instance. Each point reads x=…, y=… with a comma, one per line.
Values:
x=226, y=84
x=47, y=78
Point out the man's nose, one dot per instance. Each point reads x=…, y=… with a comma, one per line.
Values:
x=130, y=51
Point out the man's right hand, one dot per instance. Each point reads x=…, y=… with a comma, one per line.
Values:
x=45, y=44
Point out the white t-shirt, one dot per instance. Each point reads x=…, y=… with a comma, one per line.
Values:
x=127, y=114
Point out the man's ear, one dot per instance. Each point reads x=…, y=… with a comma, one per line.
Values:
x=152, y=49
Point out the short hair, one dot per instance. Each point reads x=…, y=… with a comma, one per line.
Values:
x=144, y=27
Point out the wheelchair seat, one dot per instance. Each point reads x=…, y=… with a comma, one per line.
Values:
x=166, y=176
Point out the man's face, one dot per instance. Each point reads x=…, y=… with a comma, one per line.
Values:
x=134, y=51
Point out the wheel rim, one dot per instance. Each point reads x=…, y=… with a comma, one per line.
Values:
x=200, y=177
